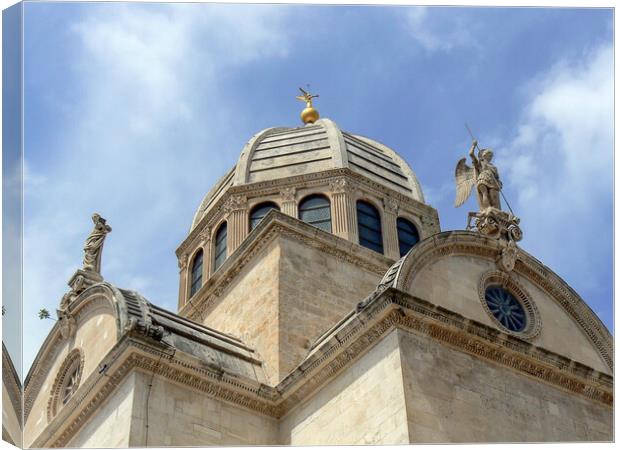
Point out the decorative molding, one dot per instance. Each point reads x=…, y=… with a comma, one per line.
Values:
x=474, y=244
x=533, y=323
x=68, y=324
x=73, y=364
x=288, y=194
x=204, y=236
x=389, y=310
x=340, y=186
x=572, y=303
x=35, y=378
x=237, y=202
x=183, y=261
x=214, y=213
x=275, y=223
x=132, y=355
x=392, y=309
x=390, y=205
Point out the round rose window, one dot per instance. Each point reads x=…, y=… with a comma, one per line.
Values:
x=505, y=308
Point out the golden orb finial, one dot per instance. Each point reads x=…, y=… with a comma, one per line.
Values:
x=309, y=114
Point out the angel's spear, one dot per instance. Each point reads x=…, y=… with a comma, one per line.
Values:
x=500, y=191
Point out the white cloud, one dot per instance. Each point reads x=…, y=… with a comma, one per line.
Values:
x=439, y=30
x=558, y=167
x=133, y=144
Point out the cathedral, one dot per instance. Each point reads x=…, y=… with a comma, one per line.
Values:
x=319, y=302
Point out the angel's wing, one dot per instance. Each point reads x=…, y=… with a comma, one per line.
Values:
x=464, y=178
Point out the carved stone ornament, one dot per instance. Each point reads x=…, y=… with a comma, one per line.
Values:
x=67, y=323
x=80, y=280
x=288, y=194
x=339, y=186
x=183, y=259
x=496, y=224
x=508, y=257
x=390, y=205
x=236, y=203
x=205, y=236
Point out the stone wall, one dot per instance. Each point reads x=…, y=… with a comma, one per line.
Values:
x=452, y=282
x=287, y=296
x=178, y=416
x=363, y=405
x=455, y=397
x=111, y=424
x=95, y=336
x=316, y=291
x=248, y=308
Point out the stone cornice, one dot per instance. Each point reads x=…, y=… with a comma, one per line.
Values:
x=394, y=309
x=273, y=187
x=277, y=224
x=387, y=310
x=141, y=353
x=470, y=243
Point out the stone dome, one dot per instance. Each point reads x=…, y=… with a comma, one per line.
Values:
x=276, y=153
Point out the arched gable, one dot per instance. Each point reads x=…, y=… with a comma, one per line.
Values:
x=91, y=325
x=450, y=269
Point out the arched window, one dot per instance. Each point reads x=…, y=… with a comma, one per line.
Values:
x=369, y=226
x=260, y=211
x=408, y=235
x=220, y=247
x=315, y=210
x=196, y=275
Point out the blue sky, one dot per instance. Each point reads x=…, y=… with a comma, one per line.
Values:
x=135, y=110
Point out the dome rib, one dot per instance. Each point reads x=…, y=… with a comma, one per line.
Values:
x=275, y=153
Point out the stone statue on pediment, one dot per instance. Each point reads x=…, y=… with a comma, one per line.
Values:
x=490, y=220
x=94, y=244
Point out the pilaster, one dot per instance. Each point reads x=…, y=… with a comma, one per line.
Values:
x=289, y=203
x=207, y=249
x=390, y=233
x=344, y=223
x=237, y=221
x=183, y=260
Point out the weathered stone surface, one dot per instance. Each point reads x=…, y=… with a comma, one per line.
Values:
x=455, y=397
x=363, y=405
x=178, y=417
x=453, y=282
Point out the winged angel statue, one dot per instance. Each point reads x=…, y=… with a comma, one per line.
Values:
x=484, y=175
x=490, y=219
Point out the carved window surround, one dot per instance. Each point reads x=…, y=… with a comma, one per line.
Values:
x=67, y=381
x=474, y=244
x=341, y=186
x=496, y=277
x=275, y=223
x=272, y=190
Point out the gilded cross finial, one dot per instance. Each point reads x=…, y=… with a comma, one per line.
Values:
x=309, y=114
